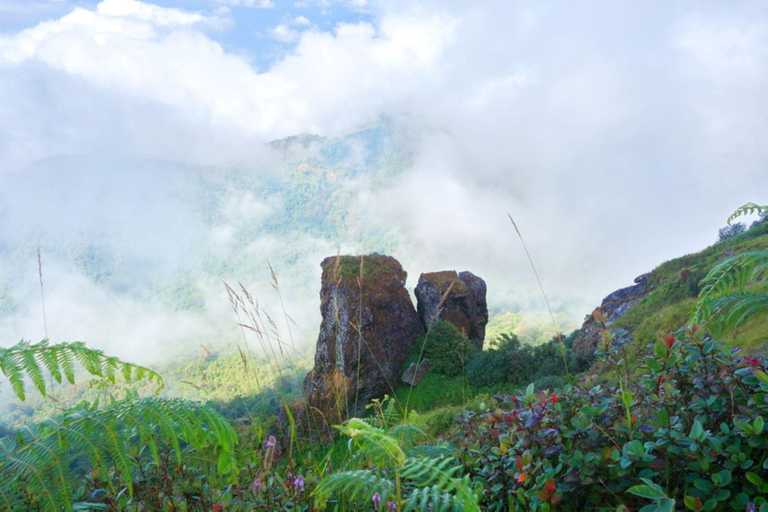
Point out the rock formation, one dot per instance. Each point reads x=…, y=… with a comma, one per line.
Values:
x=614, y=306
x=368, y=327
x=455, y=298
x=415, y=372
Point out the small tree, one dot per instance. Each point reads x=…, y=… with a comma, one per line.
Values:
x=730, y=231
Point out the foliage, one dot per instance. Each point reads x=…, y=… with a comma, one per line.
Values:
x=116, y=445
x=687, y=418
x=389, y=471
x=514, y=363
x=447, y=349
x=730, y=231
x=725, y=300
x=60, y=361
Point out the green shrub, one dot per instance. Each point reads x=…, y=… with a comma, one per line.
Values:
x=512, y=363
x=447, y=349
x=685, y=428
x=487, y=368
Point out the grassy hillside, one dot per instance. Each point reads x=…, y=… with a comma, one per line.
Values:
x=675, y=285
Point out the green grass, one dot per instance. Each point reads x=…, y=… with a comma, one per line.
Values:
x=674, y=286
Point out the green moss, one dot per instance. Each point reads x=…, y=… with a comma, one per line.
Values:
x=348, y=267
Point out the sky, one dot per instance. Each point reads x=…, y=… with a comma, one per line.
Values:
x=618, y=134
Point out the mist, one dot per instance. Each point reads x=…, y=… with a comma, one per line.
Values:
x=137, y=151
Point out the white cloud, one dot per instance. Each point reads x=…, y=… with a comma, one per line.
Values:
x=618, y=135
x=147, y=12
x=302, y=21
x=284, y=34
x=257, y=4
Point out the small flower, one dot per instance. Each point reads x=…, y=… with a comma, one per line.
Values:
x=376, y=499
x=751, y=507
x=258, y=484
x=670, y=340
x=299, y=482
x=752, y=361
x=391, y=506
x=554, y=398
x=271, y=442
x=550, y=486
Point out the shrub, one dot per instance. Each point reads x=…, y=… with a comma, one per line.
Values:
x=487, y=368
x=689, y=421
x=730, y=231
x=446, y=348
x=513, y=363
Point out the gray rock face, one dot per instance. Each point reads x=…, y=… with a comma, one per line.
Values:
x=415, y=372
x=614, y=306
x=456, y=298
x=368, y=328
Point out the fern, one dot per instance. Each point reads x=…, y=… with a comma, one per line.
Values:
x=30, y=361
x=356, y=486
x=400, y=473
x=39, y=457
x=437, y=485
x=724, y=300
x=747, y=209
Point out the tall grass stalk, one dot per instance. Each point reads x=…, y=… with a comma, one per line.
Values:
x=546, y=300
x=42, y=294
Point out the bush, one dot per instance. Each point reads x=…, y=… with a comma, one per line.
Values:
x=689, y=421
x=730, y=231
x=487, y=368
x=513, y=363
x=447, y=349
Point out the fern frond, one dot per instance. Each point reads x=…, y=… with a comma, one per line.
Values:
x=374, y=443
x=733, y=310
x=436, y=478
x=26, y=360
x=728, y=276
x=747, y=209
x=431, y=451
x=354, y=486
x=40, y=455
x=430, y=498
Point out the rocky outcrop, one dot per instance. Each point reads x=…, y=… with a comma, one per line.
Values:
x=368, y=327
x=415, y=372
x=613, y=307
x=455, y=298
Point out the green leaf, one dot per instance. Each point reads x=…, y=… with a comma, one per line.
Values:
x=692, y=503
x=667, y=505
x=697, y=430
x=754, y=479
x=646, y=491
x=761, y=375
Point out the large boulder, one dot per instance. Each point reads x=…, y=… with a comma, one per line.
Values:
x=613, y=307
x=455, y=298
x=368, y=327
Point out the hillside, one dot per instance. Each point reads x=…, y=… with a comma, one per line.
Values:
x=662, y=300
